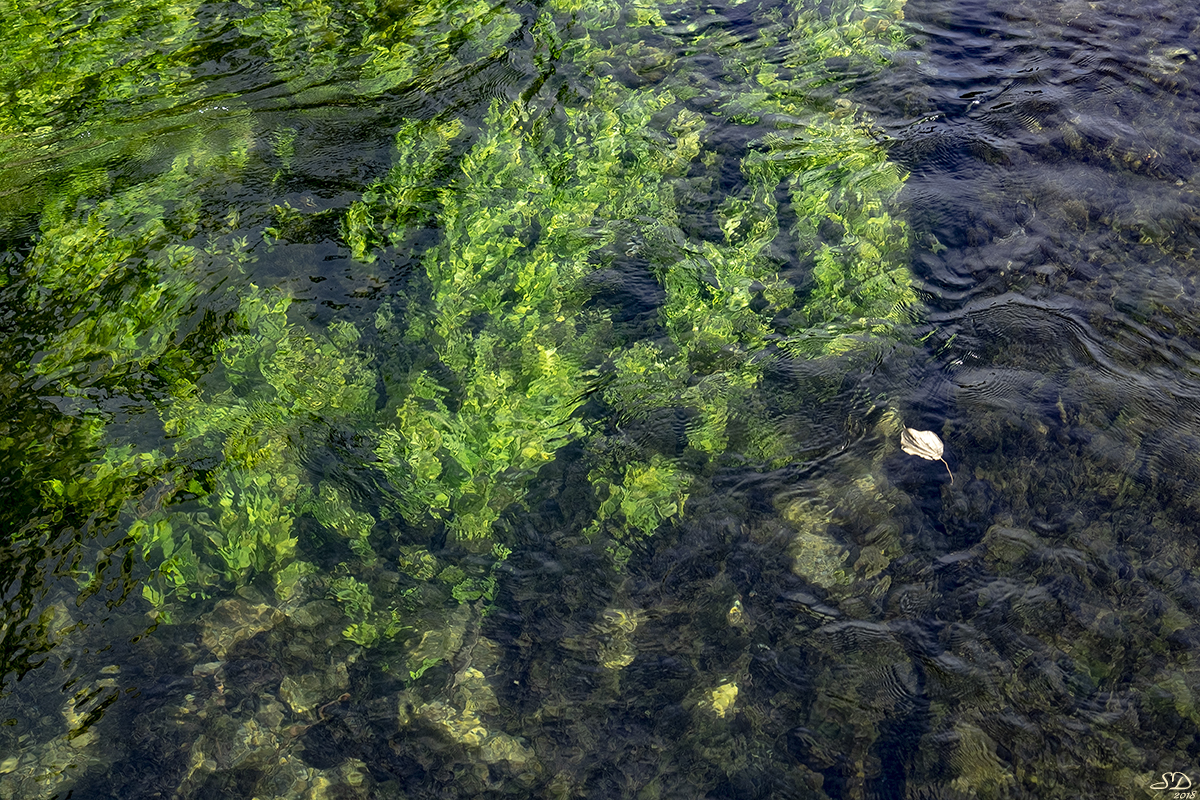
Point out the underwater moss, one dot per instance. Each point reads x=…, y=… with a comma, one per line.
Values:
x=276, y=380
x=499, y=354
x=520, y=225
x=528, y=219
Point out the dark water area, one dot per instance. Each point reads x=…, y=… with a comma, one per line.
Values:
x=480, y=401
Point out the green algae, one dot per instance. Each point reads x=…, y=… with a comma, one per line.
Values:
x=524, y=370
x=500, y=356
x=527, y=221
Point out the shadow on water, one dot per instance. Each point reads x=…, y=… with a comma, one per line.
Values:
x=1056, y=212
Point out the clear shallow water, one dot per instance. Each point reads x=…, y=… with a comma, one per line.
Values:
x=822, y=615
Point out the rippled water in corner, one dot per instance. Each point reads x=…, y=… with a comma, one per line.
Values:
x=825, y=618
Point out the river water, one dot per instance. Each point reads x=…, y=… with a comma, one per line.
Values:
x=471, y=401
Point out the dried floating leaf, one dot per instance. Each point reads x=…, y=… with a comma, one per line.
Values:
x=926, y=445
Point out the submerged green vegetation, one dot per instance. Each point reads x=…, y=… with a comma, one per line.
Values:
x=536, y=208
x=492, y=368
x=381, y=489
x=492, y=361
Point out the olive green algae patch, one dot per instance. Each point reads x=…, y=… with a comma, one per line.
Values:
x=535, y=208
x=540, y=202
x=500, y=355
x=520, y=225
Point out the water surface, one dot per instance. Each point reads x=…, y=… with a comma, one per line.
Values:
x=470, y=401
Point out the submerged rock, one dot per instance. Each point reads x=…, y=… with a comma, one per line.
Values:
x=816, y=557
x=304, y=693
x=236, y=620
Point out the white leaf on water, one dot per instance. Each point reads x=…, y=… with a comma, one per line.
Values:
x=924, y=444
